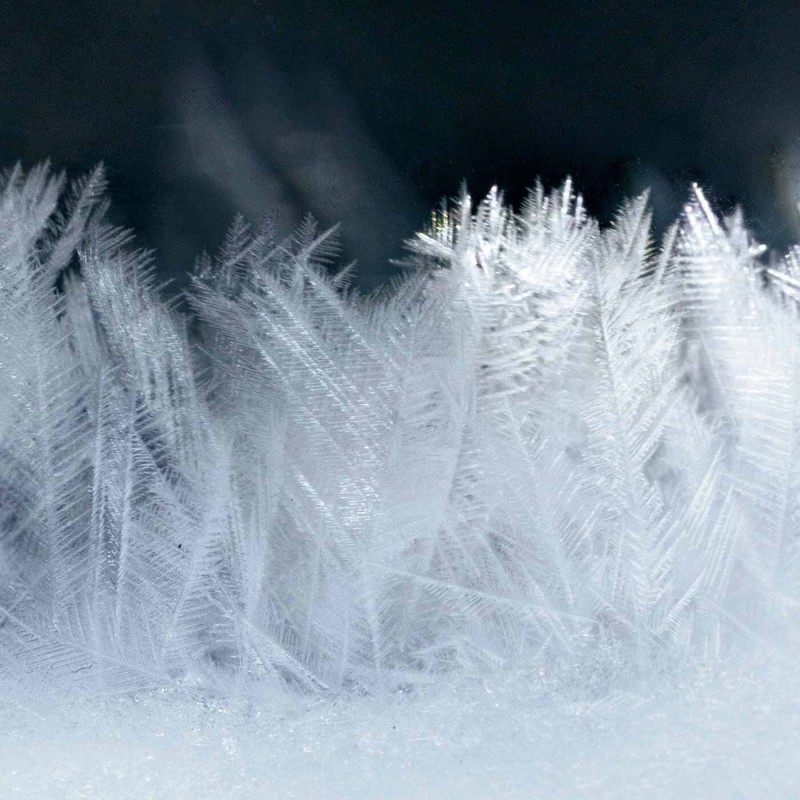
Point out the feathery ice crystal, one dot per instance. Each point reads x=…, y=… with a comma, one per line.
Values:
x=551, y=448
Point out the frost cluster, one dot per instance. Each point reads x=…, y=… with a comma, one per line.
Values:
x=551, y=448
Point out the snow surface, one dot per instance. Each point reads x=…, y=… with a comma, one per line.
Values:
x=734, y=734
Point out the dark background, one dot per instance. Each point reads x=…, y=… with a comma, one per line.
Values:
x=370, y=112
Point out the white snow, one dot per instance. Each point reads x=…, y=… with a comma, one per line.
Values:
x=733, y=734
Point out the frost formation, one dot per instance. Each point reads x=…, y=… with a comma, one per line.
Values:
x=550, y=448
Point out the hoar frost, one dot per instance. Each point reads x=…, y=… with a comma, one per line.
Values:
x=552, y=449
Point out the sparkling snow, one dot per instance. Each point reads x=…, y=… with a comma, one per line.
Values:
x=730, y=735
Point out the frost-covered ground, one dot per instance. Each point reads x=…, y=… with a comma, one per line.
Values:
x=557, y=451
x=730, y=735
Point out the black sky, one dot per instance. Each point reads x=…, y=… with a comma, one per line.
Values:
x=373, y=111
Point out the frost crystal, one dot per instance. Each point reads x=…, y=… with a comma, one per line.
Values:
x=551, y=448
